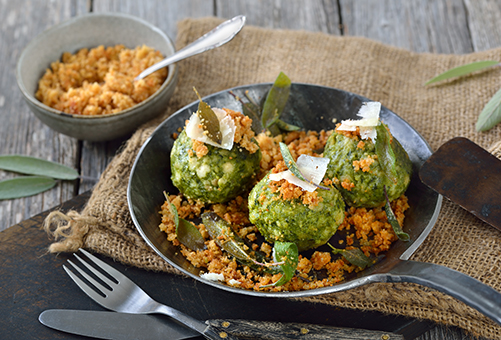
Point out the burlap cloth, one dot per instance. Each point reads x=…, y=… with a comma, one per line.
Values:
x=382, y=73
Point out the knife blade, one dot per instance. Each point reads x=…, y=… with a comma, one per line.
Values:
x=121, y=326
x=115, y=326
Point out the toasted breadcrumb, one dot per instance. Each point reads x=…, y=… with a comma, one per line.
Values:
x=367, y=228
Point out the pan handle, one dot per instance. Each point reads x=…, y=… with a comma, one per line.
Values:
x=451, y=282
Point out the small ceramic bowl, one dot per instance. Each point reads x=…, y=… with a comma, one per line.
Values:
x=89, y=31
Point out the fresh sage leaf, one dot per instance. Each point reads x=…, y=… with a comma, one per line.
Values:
x=189, y=235
x=289, y=161
x=35, y=166
x=354, y=256
x=25, y=186
x=276, y=100
x=462, y=70
x=209, y=121
x=385, y=154
x=287, y=255
x=403, y=236
x=491, y=113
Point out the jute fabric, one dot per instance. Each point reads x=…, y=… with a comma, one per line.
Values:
x=393, y=76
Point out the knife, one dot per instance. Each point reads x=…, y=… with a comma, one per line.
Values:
x=122, y=326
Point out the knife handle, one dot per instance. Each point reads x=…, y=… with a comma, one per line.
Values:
x=245, y=329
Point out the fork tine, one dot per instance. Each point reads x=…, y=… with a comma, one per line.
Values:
x=89, y=278
x=83, y=286
x=96, y=272
x=107, y=268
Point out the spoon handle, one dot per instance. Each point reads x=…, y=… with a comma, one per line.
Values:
x=215, y=38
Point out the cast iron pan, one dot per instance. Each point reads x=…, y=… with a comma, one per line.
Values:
x=313, y=108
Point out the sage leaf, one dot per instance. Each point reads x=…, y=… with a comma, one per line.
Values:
x=403, y=236
x=491, y=113
x=222, y=233
x=354, y=256
x=252, y=110
x=386, y=155
x=286, y=126
x=25, y=186
x=173, y=210
x=35, y=166
x=289, y=161
x=189, y=235
x=462, y=70
x=287, y=254
x=276, y=100
x=209, y=121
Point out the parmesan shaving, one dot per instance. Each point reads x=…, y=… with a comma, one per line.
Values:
x=370, y=119
x=195, y=131
x=312, y=168
x=212, y=277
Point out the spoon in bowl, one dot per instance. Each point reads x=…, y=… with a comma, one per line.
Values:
x=215, y=38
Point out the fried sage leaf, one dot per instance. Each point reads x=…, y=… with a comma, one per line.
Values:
x=25, y=186
x=252, y=110
x=403, y=236
x=222, y=233
x=35, y=166
x=286, y=126
x=385, y=154
x=491, y=113
x=189, y=235
x=209, y=121
x=289, y=161
x=355, y=256
x=462, y=70
x=275, y=100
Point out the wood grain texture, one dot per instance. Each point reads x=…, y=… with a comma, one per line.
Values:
x=438, y=26
x=21, y=132
x=483, y=22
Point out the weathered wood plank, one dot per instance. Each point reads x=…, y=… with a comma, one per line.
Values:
x=21, y=132
x=163, y=14
x=315, y=15
x=420, y=26
x=483, y=21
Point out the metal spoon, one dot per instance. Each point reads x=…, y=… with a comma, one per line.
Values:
x=215, y=38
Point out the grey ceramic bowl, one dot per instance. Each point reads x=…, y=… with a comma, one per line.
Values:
x=92, y=30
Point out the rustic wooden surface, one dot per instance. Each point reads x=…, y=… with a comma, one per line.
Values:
x=437, y=26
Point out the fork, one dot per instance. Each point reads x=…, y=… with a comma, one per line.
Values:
x=126, y=297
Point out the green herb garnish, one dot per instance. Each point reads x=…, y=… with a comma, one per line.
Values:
x=289, y=162
x=287, y=255
x=209, y=121
x=354, y=256
x=36, y=166
x=403, y=236
x=276, y=100
x=386, y=155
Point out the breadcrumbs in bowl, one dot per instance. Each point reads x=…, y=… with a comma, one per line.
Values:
x=89, y=93
x=100, y=80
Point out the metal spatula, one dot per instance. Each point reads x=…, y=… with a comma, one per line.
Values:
x=469, y=176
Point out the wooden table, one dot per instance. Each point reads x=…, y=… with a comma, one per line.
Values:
x=437, y=26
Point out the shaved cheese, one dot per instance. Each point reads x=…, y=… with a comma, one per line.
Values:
x=370, y=119
x=289, y=177
x=212, y=276
x=195, y=131
x=312, y=168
